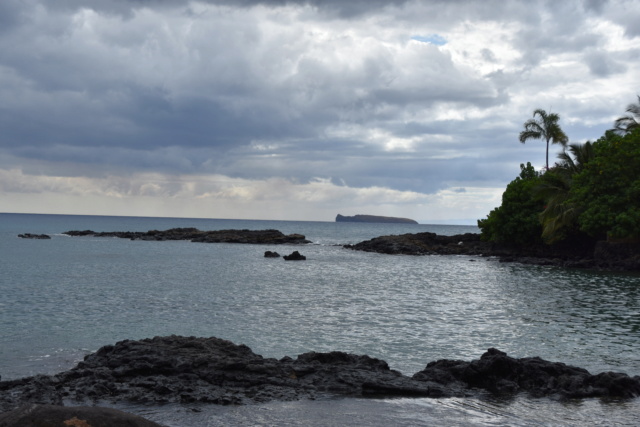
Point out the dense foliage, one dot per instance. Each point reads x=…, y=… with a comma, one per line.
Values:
x=517, y=219
x=608, y=189
x=592, y=192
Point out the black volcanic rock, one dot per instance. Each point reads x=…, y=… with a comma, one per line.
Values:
x=572, y=253
x=76, y=233
x=212, y=370
x=374, y=219
x=294, y=256
x=426, y=244
x=499, y=373
x=34, y=236
x=195, y=235
x=270, y=254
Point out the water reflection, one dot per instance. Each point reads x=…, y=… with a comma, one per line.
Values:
x=481, y=411
x=577, y=312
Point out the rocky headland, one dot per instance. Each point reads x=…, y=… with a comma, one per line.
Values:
x=274, y=237
x=212, y=370
x=603, y=255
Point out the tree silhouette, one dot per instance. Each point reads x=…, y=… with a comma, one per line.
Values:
x=626, y=124
x=544, y=127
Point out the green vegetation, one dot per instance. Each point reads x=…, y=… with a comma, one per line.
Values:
x=593, y=191
x=516, y=220
x=608, y=189
x=560, y=214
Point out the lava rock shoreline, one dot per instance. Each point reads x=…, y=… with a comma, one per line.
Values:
x=194, y=235
x=585, y=254
x=212, y=370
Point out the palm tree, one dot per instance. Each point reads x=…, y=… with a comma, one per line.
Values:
x=560, y=214
x=546, y=127
x=626, y=124
x=577, y=158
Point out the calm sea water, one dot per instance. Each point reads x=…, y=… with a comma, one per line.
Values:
x=65, y=297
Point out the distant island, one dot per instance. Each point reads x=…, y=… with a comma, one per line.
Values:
x=374, y=218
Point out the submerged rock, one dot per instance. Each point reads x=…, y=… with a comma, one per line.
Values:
x=213, y=370
x=34, y=236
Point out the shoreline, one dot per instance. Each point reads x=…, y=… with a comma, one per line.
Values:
x=601, y=255
x=585, y=254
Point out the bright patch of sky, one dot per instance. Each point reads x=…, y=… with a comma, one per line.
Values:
x=435, y=39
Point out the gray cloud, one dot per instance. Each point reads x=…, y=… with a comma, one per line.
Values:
x=303, y=89
x=603, y=64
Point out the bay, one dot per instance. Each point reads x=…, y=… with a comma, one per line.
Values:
x=63, y=298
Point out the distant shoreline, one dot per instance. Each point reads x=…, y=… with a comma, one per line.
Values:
x=375, y=219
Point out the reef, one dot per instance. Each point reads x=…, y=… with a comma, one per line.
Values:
x=195, y=235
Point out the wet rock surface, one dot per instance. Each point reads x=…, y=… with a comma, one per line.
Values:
x=498, y=373
x=294, y=256
x=212, y=370
x=63, y=416
x=195, y=235
x=584, y=253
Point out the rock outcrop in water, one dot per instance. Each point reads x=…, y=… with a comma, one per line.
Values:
x=571, y=254
x=499, y=373
x=189, y=369
x=34, y=236
x=195, y=235
x=295, y=256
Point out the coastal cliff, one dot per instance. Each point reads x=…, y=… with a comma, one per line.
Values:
x=374, y=219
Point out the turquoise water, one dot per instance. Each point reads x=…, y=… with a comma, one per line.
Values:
x=65, y=297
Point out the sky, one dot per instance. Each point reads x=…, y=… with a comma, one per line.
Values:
x=297, y=110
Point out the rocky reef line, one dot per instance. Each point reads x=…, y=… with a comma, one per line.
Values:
x=212, y=370
x=195, y=235
x=584, y=254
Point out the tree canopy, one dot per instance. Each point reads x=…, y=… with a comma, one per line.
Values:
x=608, y=189
x=631, y=121
x=592, y=192
x=516, y=220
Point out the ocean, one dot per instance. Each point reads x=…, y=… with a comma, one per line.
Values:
x=63, y=298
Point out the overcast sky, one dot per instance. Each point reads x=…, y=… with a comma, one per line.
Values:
x=297, y=110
